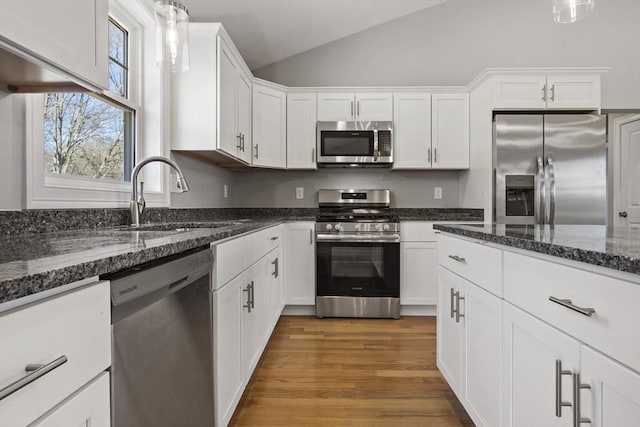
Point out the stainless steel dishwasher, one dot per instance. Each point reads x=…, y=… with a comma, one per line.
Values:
x=162, y=351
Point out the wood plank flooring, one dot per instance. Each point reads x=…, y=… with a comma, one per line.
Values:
x=350, y=372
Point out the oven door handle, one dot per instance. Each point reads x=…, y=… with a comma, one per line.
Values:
x=360, y=238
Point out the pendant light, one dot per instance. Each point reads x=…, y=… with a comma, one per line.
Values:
x=567, y=11
x=172, y=35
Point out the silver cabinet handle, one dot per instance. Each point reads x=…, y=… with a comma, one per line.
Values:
x=275, y=268
x=255, y=149
x=351, y=109
x=435, y=155
x=577, y=387
x=553, y=92
x=544, y=92
x=458, y=315
x=429, y=155
x=559, y=373
x=253, y=295
x=313, y=155
x=248, y=304
x=242, y=142
x=274, y=238
x=358, y=108
x=622, y=214
x=457, y=258
x=239, y=138
x=453, y=298
x=311, y=237
x=552, y=190
x=35, y=372
x=585, y=311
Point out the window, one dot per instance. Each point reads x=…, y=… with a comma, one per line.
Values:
x=90, y=136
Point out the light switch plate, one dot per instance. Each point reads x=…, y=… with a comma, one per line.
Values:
x=299, y=192
x=437, y=193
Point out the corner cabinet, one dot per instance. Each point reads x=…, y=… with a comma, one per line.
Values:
x=369, y=107
x=541, y=91
x=211, y=104
x=301, y=130
x=269, y=127
x=431, y=131
x=71, y=35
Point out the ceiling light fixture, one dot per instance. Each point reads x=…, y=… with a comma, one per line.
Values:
x=567, y=11
x=172, y=35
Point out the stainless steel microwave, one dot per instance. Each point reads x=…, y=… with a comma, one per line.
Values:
x=355, y=143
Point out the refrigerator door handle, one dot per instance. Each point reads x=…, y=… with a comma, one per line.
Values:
x=552, y=190
x=540, y=193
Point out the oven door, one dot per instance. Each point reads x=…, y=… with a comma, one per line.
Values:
x=358, y=269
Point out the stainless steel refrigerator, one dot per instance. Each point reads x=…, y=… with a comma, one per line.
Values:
x=550, y=169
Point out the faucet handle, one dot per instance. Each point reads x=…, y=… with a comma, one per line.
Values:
x=141, y=202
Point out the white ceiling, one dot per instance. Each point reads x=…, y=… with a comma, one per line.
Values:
x=266, y=31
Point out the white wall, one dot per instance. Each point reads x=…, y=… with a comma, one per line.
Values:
x=410, y=189
x=12, y=148
x=451, y=43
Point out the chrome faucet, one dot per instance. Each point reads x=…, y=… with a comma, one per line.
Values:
x=138, y=203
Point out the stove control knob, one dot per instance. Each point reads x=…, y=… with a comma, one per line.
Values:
x=385, y=227
x=358, y=227
x=338, y=227
x=378, y=227
x=329, y=227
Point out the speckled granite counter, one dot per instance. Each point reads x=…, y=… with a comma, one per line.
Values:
x=616, y=248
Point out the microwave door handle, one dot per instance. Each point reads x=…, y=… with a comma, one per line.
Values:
x=375, y=144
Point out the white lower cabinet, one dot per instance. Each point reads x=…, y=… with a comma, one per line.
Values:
x=87, y=407
x=418, y=273
x=535, y=357
x=300, y=268
x=469, y=336
x=246, y=310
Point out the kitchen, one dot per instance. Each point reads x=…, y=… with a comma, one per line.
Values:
x=436, y=51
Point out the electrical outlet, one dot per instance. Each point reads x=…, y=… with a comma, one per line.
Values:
x=299, y=192
x=226, y=191
x=437, y=193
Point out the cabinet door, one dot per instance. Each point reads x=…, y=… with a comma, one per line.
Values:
x=251, y=338
x=614, y=397
x=269, y=127
x=228, y=320
x=374, y=107
x=573, y=91
x=275, y=285
x=243, y=102
x=419, y=273
x=262, y=294
x=300, y=268
x=90, y=406
x=336, y=107
x=70, y=34
x=301, y=131
x=450, y=131
x=449, y=332
x=228, y=135
x=482, y=337
x=520, y=92
x=530, y=351
x=411, y=131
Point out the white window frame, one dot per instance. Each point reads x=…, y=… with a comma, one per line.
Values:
x=146, y=98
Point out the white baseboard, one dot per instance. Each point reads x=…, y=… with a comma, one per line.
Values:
x=405, y=310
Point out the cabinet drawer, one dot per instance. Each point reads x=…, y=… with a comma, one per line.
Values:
x=417, y=231
x=530, y=282
x=475, y=262
x=75, y=325
x=262, y=242
x=229, y=260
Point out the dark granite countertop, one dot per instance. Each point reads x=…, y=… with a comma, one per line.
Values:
x=34, y=263
x=616, y=248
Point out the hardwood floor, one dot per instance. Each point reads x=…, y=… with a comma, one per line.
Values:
x=350, y=372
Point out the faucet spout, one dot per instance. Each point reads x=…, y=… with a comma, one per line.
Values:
x=137, y=203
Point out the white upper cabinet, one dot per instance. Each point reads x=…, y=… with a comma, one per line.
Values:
x=374, y=106
x=431, y=131
x=301, y=130
x=269, y=127
x=450, y=131
x=412, y=130
x=211, y=104
x=541, y=91
x=71, y=35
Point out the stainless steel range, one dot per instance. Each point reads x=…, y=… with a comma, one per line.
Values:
x=357, y=255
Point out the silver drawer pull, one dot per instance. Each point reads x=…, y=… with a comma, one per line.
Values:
x=35, y=372
x=586, y=311
x=457, y=258
x=274, y=238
